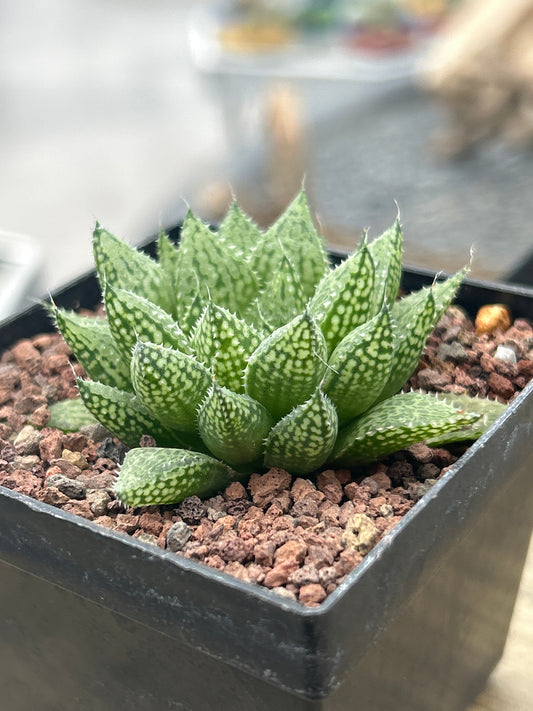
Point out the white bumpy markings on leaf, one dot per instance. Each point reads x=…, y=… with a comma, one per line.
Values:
x=303, y=440
x=170, y=384
x=126, y=268
x=167, y=257
x=190, y=316
x=239, y=233
x=288, y=366
x=295, y=232
x=386, y=252
x=359, y=367
x=69, y=415
x=399, y=422
x=94, y=347
x=342, y=299
x=409, y=340
x=281, y=300
x=224, y=342
x=488, y=411
x=123, y=414
x=132, y=318
x=152, y=475
x=443, y=294
x=233, y=426
x=209, y=266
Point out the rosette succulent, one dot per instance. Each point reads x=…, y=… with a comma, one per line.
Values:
x=241, y=349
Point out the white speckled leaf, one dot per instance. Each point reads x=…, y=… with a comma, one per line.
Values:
x=386, y=252
x=488, y=411
x=409, y=342
x=191, y=315
x=94, y=347
x=443, y=294
x=233, y=426
x=126, y=417
x=167, y=257
x=69, y=415
x=394, y=424
x=238, y=232
x=287, y=366
x=170, y=384
x=132, y=318
x=208, y=266
x=123, y=266
x=342, y=299
x=152, y=475
x=303, y=440
x=359, y=367
x=294, y=235
x=224, y=342
x=281, y=300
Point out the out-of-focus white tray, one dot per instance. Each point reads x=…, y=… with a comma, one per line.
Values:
x=312, y=56
x=20, y=263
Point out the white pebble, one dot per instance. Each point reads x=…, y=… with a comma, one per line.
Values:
x=506, y=354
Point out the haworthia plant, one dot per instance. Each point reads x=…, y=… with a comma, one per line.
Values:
x=242, y=349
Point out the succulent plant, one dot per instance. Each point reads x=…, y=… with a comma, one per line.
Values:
x=240, y=349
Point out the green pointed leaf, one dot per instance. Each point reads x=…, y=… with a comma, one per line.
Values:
x=124, y=415
x=386, y=252
x=359, y=367
x=123, y=266
x=281, y=300
x=208, y=266
x=191, y=315
x=155, y=476
x=342, y=299
x=287, y=366
x=238, y=232
x=69, y=415
x=224, y=342
x=410, y=338
x=170, y=384
x=167, y=257
x=132, y=318
x=233, y=426
x=396, y=423
x=303, y=440
x=443, y=292
x=94, y=347
x=295, y=232
x=167, y=254
x=488, y=411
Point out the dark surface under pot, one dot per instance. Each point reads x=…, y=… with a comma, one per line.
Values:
x=93, y=620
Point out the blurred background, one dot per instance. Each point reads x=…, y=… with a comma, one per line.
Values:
x=126, y=112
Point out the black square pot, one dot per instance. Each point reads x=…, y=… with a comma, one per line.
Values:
x=92, y=619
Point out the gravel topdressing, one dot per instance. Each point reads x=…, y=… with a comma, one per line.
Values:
x=297, y=536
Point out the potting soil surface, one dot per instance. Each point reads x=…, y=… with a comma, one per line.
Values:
x=298, y=536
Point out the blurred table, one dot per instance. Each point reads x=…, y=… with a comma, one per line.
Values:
x=382, y=151
x=510, y=687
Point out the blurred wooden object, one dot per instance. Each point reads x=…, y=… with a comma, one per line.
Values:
x=284, y=161
x=482, y=68
x=510, y=687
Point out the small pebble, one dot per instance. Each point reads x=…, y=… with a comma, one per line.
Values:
x=361, y=534
x=75, y=458
x=98, y=500
x=70, y=487
x=145, y=537
x=27, y=441
x=492, y=317
x=505, y=354
x=177, y=536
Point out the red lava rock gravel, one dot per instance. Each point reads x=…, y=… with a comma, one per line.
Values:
x=297, y=536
